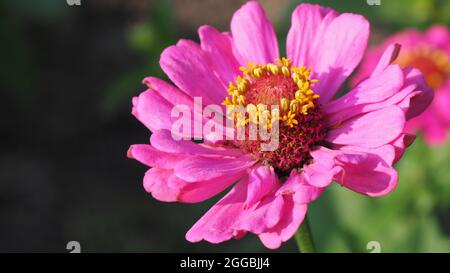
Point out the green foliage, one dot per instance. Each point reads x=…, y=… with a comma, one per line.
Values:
x=403, y=221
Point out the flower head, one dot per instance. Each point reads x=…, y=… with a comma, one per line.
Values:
x=430, y=53
x=354, y=139
x=299, y=112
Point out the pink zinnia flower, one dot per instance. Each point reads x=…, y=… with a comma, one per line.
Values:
x=429, y=52
x=354, y=140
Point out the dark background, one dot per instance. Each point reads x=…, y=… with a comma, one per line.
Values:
x=67, y=77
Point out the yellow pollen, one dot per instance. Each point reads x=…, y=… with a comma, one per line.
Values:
x=284, y=62
x=294, y=107
x=302, y=100
x=284, y=104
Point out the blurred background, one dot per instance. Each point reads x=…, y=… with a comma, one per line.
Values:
x=67, y=77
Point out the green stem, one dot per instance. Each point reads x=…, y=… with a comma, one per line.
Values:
x=304, y=238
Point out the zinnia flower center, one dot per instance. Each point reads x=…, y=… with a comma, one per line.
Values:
x=278, y=92
x=434, y=64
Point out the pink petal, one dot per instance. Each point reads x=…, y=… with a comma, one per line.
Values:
x=386, y=152
x=407, y=39
x=368, y=171
x=374, y=56
x=200, y=191
x=306, y=21
x=148, y=155
x=169, y=92
x=401, y=143
x=340, y=48
x=189, y=67
x=321, y=171
x=441, y=103
x=165, y=186
x=254, y=35
x=156, y=183
x=336, y=119
x=377, y=88
x=419, y=101
x=199, y=168
x=370, y=130
x=439, y=35
x=220, y=48
x=262, y=217
x=303, y=191
x=435, y=132
x=372, y=63
x=389, y=56
x=293, y=216
x=413, y=98
x=217, y=224
x=262, y=180
x=152, y=110
x=163, y=141
x=178, y=98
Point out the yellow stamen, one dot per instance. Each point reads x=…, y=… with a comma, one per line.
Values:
x=294, y=106
x=304, y=98
x=285, y=70
x=284, y=104
x=259, y=71
x=273, y=69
